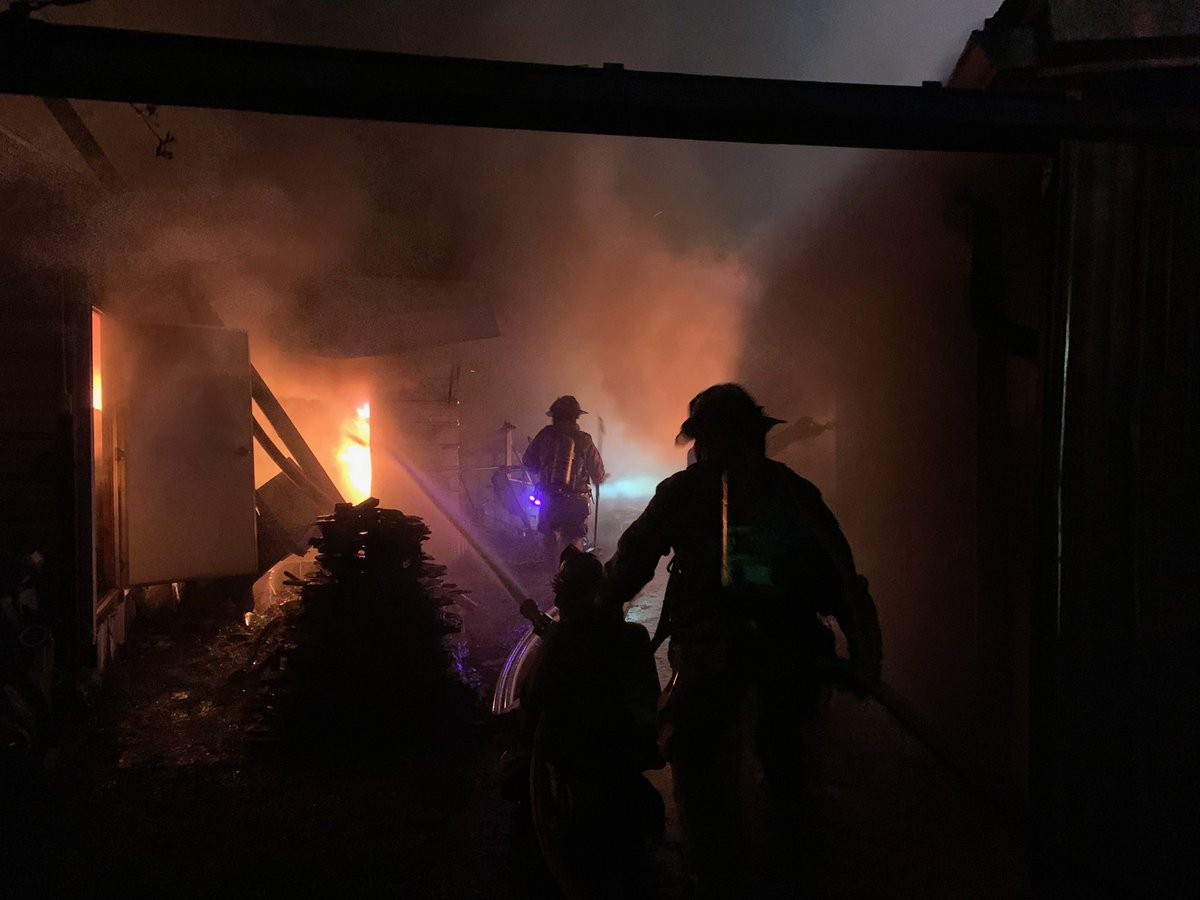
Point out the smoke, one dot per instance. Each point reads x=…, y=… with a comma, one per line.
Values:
x=865, y=317
x=623, y=271
x=612, y=312
x=631, y=273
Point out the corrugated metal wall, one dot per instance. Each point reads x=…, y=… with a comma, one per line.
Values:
x=1119, y=617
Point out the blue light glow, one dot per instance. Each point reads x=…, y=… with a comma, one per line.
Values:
x=633, y=486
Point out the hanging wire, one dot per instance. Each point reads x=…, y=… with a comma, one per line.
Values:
x=148, y=114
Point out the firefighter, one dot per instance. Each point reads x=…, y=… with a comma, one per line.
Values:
x=597, y=673
x=758, y=559
x=565, y=459
x=597, y=681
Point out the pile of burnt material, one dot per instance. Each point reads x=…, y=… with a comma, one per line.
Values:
x=361, y=659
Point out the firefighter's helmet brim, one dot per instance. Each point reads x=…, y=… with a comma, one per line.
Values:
x=724, y=408
x=566, y=405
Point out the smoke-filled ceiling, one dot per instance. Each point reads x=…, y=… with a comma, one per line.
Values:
x=621, y=270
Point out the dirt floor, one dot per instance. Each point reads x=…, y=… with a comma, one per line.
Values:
x=168, y=794
x=169, y=791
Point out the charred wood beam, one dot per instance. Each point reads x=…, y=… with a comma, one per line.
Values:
x=291, y=437
x=309, y=474
x=203, y=313
x=47, y=59
x=288, y=466
x=312, y=479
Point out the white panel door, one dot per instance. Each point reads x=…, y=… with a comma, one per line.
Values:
x=185, y=463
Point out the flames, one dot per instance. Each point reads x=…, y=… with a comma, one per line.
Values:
x=97, y=353
x=354, y=454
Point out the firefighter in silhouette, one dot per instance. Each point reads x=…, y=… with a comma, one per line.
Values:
x=565, y=459
x=596, y=683
x=759, y=559
x=597, y=673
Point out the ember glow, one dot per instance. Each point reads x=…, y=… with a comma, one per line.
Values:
x=97, y=393
x=354, y=454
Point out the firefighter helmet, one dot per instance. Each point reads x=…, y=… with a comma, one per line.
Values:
x=578, y=580
x=565, y=407
x=724, y=409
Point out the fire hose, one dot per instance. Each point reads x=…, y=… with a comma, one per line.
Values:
x=834, y=672
x=840, y=672
x=486, y=554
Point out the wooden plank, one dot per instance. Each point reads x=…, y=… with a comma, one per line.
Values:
x=291, y=436
x=203, y=314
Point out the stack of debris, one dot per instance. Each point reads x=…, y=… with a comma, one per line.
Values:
x=361, y=659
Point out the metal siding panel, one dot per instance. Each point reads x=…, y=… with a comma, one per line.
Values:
x=1166, y=430
x=1119, y=616
x=1088, y=726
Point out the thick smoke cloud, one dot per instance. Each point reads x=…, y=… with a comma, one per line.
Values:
x=865, y=317
x=631, y=273
x=622, y=269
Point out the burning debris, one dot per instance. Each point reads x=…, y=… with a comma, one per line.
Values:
x=361, y=654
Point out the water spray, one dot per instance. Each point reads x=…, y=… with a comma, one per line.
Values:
x=489, y=557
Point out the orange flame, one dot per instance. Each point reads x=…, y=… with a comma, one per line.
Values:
x=354, y=454
x=97, y=393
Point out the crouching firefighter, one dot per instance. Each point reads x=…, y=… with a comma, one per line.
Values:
x=758, y=558
x=591, y=700
x=565, y=460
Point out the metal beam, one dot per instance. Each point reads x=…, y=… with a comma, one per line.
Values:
x=52, y=60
